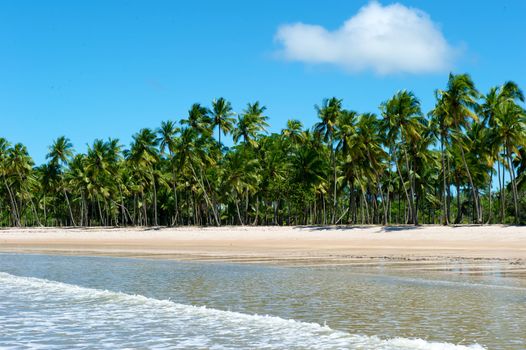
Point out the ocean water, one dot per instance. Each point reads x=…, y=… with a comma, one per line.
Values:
x=58, y=302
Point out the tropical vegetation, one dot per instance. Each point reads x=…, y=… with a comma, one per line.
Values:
x=463, y=162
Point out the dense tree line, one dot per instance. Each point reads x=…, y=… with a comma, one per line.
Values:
x=463, y=162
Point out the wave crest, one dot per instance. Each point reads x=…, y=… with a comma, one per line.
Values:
x=48, y=312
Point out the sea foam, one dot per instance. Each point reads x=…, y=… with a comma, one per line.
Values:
x=39, y=313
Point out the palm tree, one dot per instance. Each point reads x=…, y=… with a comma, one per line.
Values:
x=369, y=142
x=101, y=166
x=196, y=154
x=167, y=134
x=78, y=178
x=5, y=171
x=293, y=130
x=309, y=172
x=250, y=124
x=199, y=120
x=346, y=135
x=241, y=178
x=510, y=130
x=440, y=125
x=168, y=140
x=144, y=156
x=388, y=169
x=20, y=166
x=458, y=102
x=329, y=113
x=345, y=130
x=491, y=109
x=59, y=155
x=222, y=117
x=402, y=127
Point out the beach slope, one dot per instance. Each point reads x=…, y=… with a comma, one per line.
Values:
x=338, y=244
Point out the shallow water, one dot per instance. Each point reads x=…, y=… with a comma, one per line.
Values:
x=94, y=302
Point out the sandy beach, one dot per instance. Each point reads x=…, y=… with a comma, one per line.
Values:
x=320, y=245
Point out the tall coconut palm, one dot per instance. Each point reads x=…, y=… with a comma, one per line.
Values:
x=370, y=144
x=329, y=113
x=5, y=172
x=346, y=134
x=221, y=114
x=345, y=130
x=241, y=178
x=402, y=126
x=196, y=154
x=144, y=156
x=20, y=166
x=101, y=167
x=510, y=130
x=308, y=167
x=199, y=120
x=250, y=124
x=509, y=92
x=459, y=101
x=78, y=178
x=167, y=134
x=60, y=152
x=168, y=141
x=293, y=130
x=440, y=124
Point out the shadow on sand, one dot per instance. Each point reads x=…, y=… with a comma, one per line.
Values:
x=354, y=227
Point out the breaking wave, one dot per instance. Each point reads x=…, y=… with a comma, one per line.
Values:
x=39, y=313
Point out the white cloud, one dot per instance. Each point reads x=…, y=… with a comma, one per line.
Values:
x=384, y=39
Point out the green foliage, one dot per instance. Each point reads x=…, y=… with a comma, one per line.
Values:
x=465, y=162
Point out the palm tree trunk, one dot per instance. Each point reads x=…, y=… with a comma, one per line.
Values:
x=81, y=223
x=69, y=207
x=473, y=188
x=459, y=208
x=155, y=222
x=324, y=210
x=238, y=213
x=503, y=192
x=257, y=211
x=275, y=212
x=513, y=186
x=207, y=198
x=399, y=208
x=388, y=194
x=83, y=209
x=100, y=213
x=444, y=191
x=404, y=187
x=176, y=206
x=366, y=206
x=35, y=212
x=349, y=213
x=145, y=210
x=45, y=210
x=414, y=216
x=490, y=214
x=501, y=212
x=333, y=155
x=14, y=211
x=247, y=219
x=448, y=174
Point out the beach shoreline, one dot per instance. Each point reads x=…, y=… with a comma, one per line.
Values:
x=305, y=245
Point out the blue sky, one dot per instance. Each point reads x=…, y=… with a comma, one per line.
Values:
x=98, y=69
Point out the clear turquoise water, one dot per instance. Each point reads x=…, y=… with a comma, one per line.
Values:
x=98, y=302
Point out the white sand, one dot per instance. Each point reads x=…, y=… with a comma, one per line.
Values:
x=263, y=244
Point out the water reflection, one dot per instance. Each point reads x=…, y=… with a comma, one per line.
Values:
x=461, y=303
